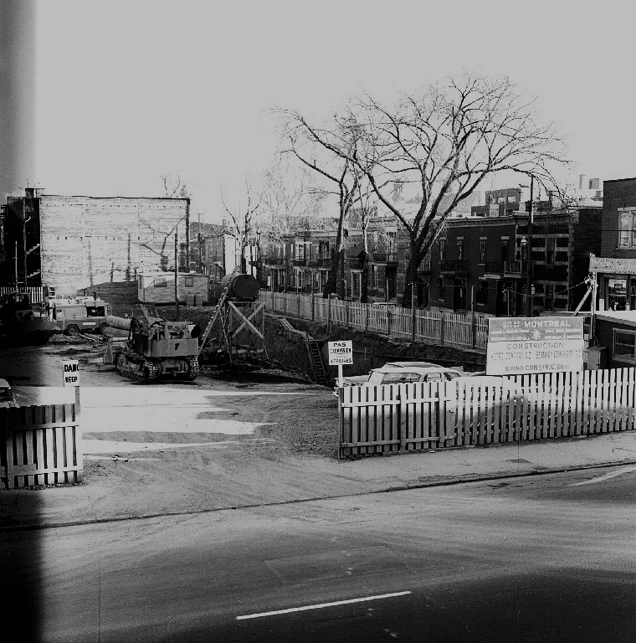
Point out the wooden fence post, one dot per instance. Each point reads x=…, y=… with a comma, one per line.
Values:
x=474, y=330
x=312, y=304
x=329, y=314
x=388, y=322
x=441, y=329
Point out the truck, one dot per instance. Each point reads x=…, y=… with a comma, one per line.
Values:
x=79, y=314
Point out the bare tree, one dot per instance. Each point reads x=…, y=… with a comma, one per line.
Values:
x=331, y=154
x=290, y=202
x=445, y=140
x=173, y=188
x=243, y=225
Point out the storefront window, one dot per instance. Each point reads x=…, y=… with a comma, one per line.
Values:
x=625, y=345
x=617, y=294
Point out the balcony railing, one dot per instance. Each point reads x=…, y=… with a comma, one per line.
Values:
x=494, y=267
x=385, y=257
x=299, y=262
x=321, y=261
x=515, y=268
x=455, y=266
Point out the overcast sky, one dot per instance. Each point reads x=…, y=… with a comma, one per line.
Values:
x=129, y=90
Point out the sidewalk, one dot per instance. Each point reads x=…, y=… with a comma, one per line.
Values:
x=129, y=488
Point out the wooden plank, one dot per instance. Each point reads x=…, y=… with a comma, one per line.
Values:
x=376, y=443
x=373, y=431
x=344, y=395
x=551, y=385
x=482, y=394
x=29, y=453
x=577, y=397
x=450, y=409
x=601, y=413
x=435, y=428
x=617, y=422
x=561, y=396
x=440, y=411
x=489, y=394
x=463, y=436
x=395, y=415
x=474, y=418
x=595, y=396
x=49, y=439
x=631, y=383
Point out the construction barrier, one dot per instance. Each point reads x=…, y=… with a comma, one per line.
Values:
x=40, y=445
x=472, y=412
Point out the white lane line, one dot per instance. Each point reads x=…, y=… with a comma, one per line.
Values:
x=607, y=476
x=319, y=606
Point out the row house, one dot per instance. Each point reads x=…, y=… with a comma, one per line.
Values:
x=615, y=263
x=301, y=262
x=491, y=265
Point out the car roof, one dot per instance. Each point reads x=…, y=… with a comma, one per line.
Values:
x=4, y=383
x=408, y=364
x=400, y=369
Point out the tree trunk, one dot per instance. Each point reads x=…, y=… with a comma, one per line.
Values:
x=411, y=278
x=337, y=262
x=364, y=278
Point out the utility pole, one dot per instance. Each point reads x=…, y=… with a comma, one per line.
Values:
x=24, y=239
x=529, y=246
x=176, y=275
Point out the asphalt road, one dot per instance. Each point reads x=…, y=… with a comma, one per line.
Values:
x=550, y=558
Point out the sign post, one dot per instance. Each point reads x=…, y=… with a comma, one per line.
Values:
x=71, y=374
x=518, y=345
x=340, y=353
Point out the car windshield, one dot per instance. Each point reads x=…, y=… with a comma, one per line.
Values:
x=6, y=395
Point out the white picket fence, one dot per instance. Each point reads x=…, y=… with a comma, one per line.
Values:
x=444, y=329
x=35, y=292
x=468, y=412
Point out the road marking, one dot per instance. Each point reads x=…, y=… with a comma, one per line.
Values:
x=607, y=476
x=319, y=606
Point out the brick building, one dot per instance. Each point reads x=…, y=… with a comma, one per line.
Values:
x=481, y=264
x=615, y=263
x=80, y=242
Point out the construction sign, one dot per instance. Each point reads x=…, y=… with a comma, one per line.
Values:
x=519, y=345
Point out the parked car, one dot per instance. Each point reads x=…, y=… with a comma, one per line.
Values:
x=7, y=398
x=409, y=373
x=358, y=380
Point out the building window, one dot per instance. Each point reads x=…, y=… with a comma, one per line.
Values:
x=624, y=347
x=481, y=295
x=189, y=282
x=549, y=297
x=442, y=249
x=482, y=251
x=460, y=248
x=374, y=276
x=160, y=282
x=550, y=247
x=626, y=228
x=441, y=289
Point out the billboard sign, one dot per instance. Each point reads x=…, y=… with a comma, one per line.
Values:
x=519, y=345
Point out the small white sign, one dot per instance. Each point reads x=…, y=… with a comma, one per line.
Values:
x=340, y=352
x=71, y=372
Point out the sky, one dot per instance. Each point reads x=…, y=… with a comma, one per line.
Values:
x=127, y=91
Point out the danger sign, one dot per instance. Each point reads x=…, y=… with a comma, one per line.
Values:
x=340, y=352
x=71, y=372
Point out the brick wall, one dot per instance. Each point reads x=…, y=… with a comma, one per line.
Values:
x=616, y=194
x=87, y=240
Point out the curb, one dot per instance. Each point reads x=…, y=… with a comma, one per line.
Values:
x=438, y=481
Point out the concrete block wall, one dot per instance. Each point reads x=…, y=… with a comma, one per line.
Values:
x=88, y=240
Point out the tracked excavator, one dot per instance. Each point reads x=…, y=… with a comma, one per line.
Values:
x=156, y=348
